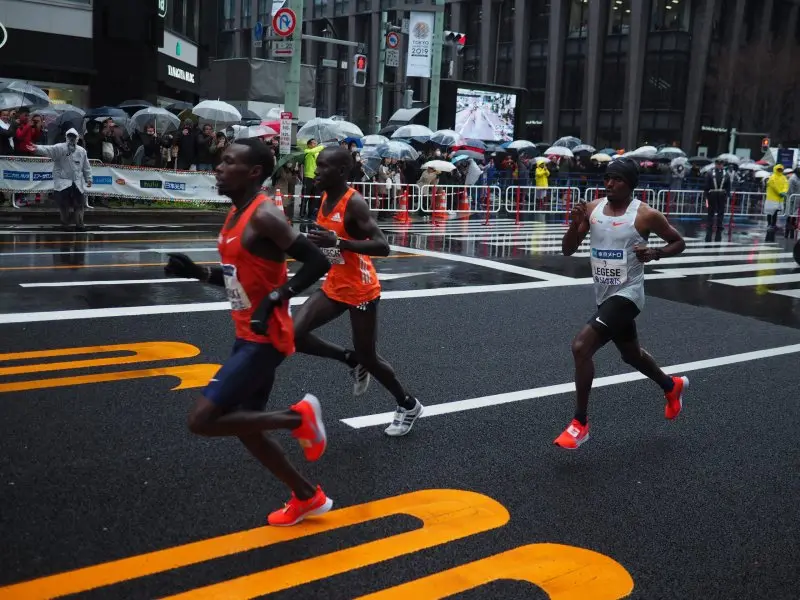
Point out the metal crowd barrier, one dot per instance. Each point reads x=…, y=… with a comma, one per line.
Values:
x=389, y=197
x=530, y=199
x=461, y=199
x=646, y=195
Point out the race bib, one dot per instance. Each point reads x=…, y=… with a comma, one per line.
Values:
x=236, y=294
x=609, y=267
x=334, y=255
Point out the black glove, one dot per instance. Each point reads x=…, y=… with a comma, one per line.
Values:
x=181, y=265
x=261, y=315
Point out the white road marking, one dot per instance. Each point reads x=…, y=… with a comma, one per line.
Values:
x=742, y=248
x=115, y=232
x=117, y=251
x=687, y=260
x=481, y=262
x=61, y=284
x=759, y=280
x=790, y=293
x=731, y=268
x=164, y=309
x=565, y=388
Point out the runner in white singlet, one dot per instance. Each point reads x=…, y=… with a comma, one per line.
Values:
x=619, y=227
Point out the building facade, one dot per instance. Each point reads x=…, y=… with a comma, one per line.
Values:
x=103, y=52
x=617, y=73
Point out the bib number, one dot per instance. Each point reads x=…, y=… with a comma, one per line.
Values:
x=334, y=255
x=236, y=294
x=609, y=267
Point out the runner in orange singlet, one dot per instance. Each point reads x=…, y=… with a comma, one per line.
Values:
x=253, y=245
x=349, y=235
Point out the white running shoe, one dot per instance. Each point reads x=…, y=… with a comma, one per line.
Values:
x=404, y=420
x=361, y=379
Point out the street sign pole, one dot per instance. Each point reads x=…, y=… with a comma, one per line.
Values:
x=436, y=67
x=291, y=101
x=381, y=72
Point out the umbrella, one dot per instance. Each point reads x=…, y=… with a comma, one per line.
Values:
x=568, y=141
x=178, y=107
x=254, y=131
x=609, y=151
x=762, y=174
x=559, y=151
x=643, y=152
x=398, y=150
x=477, y=144
x=323, y=130
x=670, y=154
x=447, y=138
x=439, y=165
x=520, y=145
x=699, y=160
x=106, y=111
x=27, y=94
x=249, y=115
x=680, y=161
x=584, y=149
x=68, y=120
x=133, y=106
x=62, y=108
x=729, y=158
x=542, y=159
x=600, y=157
x=346, y=129
x=217, y=111
x=413, y=132
x=154, y=116
x=469, y=153
x=750, y=166
x=370, y=161
x=374, y=140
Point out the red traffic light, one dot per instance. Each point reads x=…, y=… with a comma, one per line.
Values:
x=361, y=63
x=462, y=40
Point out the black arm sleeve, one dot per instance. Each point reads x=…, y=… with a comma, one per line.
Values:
x=315, y=265
x=215, y=277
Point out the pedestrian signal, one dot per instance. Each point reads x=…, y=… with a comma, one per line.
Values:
x=360, y=71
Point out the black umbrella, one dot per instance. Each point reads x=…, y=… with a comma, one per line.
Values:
x=133, y=106
x=106, y=111
x=178, y=107
x=249, y=115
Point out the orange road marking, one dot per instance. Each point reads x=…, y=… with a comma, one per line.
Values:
x=191, y=376
x=446, y=515
x=161, y=264
x=562, y=572
x=141, y=352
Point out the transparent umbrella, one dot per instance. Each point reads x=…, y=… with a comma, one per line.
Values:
x=62, y=108
x=398, y=150
x=218, y=112
x=568, y=141
x=558, y=151
x=670, y=154
x=584, y=149
x=154, y=116
x=374, y=140
x=254, y=131
x=448, y=138
x=26, y=94
x=643, y=152
x=322, y=130
x=731, y=159
x=520, y=145
x=420, y=133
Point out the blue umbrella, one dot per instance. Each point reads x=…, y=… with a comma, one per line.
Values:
x=354, y=140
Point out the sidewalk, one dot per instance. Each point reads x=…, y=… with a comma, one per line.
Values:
x=99, y=215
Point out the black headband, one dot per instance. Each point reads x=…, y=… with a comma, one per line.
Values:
x=626, y=169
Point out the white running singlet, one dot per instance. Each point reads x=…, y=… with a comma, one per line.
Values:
x=615, y=269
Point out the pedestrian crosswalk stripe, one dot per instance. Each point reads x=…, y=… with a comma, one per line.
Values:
x=756, y=266
x=759, y=280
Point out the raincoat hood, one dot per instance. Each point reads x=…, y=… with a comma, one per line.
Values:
x=778, y=170
x=72, y=131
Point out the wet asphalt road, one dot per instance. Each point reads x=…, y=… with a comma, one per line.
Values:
x=97, y=464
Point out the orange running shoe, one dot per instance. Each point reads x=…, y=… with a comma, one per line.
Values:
x=311, y=433
x=573, y=436
x=296, y=510
x=675, y=397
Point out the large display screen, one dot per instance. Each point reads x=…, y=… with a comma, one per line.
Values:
x=483, y=115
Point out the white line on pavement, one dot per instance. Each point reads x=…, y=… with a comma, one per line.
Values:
x=565, y=388
x=481, y=262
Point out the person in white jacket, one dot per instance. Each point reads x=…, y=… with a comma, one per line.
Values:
x=72, y=174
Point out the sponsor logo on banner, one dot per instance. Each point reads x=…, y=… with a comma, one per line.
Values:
x=175, y=186
x=43, y=176
x=17, y=175
x=103, y=180
x=608, y=254
x=420, y=45
x=120, y=181
x=150, y=184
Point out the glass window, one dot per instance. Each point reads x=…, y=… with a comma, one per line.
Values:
x=227, y=14
x=176, y=15
x=246, y=13
x=578, y=19
x=670, y=15
x=507, y=14
x=619, y=21
x=192, y=19
x=665, y=81
x=540, y=19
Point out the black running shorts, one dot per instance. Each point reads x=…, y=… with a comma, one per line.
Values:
x=615, y=320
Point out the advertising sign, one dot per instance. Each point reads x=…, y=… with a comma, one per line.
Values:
x=286, y=133
x=420, y=45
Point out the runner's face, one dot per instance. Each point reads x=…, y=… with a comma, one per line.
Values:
x=616, y=188
x=233, y=173
x=329, y=174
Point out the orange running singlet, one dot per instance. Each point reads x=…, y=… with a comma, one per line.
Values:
x=249, y=279
x=352, y=279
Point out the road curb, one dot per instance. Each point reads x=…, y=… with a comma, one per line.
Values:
x=114, y=216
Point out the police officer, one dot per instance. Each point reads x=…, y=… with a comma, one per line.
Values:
x=716, y=190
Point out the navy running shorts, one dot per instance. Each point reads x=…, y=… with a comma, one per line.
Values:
x=245, y=380
x=615, y=320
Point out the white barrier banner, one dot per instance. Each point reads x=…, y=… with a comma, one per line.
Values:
x=32, y=175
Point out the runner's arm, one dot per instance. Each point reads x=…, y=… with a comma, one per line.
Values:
x=269, y=222
x=360, y=224
x=657, y=223
x=578, y=228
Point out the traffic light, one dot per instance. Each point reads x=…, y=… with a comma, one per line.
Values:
x=765, y=144
x=455, y=39
x=360, y=70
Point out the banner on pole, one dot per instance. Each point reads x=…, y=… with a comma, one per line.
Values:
x=33, y=175
x=420, y=45
x=286, y=133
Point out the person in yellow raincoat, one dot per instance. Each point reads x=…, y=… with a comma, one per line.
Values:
x=777, y=187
